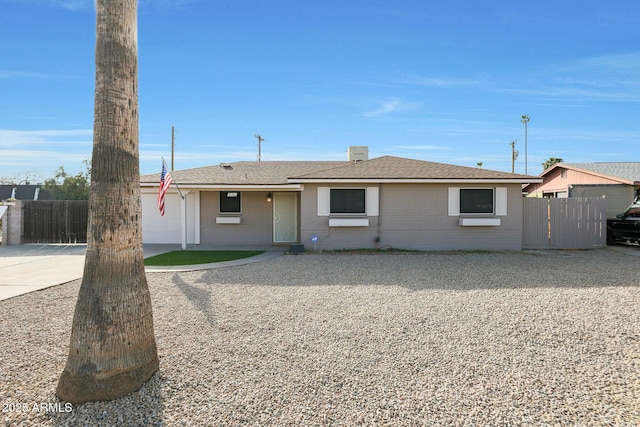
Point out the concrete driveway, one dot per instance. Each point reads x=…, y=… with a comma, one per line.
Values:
x=28, y=268
x=31, y=267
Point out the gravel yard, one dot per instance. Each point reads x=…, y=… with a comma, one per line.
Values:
x=538, y=338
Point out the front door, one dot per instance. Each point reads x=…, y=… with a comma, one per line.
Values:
x=285, y=217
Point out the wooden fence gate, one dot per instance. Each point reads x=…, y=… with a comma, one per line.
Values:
x=570, y=223
x=55, y=221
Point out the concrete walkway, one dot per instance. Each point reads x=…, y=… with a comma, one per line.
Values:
x=31, y=267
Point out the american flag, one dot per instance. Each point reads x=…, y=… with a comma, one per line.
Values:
x=165, y=183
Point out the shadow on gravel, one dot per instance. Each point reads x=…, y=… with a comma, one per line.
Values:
x=446, y=271
x=200, y=298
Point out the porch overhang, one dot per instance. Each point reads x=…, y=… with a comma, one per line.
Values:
x=412, y=181
x=226, y=187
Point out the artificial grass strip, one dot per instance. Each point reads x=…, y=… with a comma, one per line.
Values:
x=196, y=257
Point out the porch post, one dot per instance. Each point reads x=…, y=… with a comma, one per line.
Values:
x=184, y=219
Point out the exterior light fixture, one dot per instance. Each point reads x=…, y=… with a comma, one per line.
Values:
x=269, y=197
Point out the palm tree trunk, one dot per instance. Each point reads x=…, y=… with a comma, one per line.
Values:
x=113, y=350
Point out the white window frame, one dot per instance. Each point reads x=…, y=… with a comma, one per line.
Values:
x=359, y=189
x=499, y=201
x=477, y=213
x=239, y=195
x=372, y=197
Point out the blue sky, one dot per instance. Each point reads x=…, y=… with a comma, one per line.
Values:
x=446, y=81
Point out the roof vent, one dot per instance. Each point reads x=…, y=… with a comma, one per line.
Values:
x=225, y=165
x=358, y=153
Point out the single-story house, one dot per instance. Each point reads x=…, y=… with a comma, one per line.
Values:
x=384, y=202
x=618, y=182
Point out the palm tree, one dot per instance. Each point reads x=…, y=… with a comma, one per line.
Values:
x=550, y=162
x=113, y=349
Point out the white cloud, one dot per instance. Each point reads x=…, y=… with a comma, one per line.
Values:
x=421, y=147
x=71, y=5
x=10, y=74
x=43, y=151
x=600, y=78
x=414, y=79
x=621, y=62
x=24, y=138
x=74, y=4
x=391, y=106
x=89, y=5
x=385, y=108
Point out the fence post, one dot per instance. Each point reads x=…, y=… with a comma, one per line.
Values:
x=12, y=223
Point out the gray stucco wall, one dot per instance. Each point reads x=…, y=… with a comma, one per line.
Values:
x=255, y=227
x=413, y=216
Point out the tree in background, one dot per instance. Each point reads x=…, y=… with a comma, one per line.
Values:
x=112, y=349
x=65, y=187
x=550, y=162
x=22, y=179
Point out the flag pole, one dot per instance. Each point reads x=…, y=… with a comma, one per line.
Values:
x=183, y=201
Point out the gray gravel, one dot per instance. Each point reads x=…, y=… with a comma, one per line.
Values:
x=546, y=338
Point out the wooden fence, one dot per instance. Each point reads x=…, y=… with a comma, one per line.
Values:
x=571, y=223
x=55, y=221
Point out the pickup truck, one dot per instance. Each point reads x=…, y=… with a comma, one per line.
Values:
x=625, y=227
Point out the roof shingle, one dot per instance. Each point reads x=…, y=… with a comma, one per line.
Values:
x=390, y=167
x=239, y=173
x=629, y=171
x=285, y=172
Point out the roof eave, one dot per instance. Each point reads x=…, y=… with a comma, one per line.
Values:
x=588, y=172
x=416, y=180
x=259, y=187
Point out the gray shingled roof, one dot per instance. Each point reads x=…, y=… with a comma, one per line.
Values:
x=390, y=167
x=278, y=173
x=244, y=173
x=629, y=171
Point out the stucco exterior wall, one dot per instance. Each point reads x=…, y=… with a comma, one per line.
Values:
x=413, y=216
x=407, y=216
x=256, y=220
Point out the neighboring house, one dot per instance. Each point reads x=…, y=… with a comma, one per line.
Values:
x=619, y=182
x=23, y=192
x=385, y=202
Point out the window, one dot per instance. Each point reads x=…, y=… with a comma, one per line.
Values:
x=368, y=198
x=476, y=201
x=229, y=202
x=480, y=201
x=633, y=213
x=347, y=201
x=563, y=173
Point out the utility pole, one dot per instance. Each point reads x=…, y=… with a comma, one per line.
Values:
x=525, y=119
x=260, y=139
x=514, y=155
x=173, y=145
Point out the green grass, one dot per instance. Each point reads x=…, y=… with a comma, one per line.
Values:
x=196, y=257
